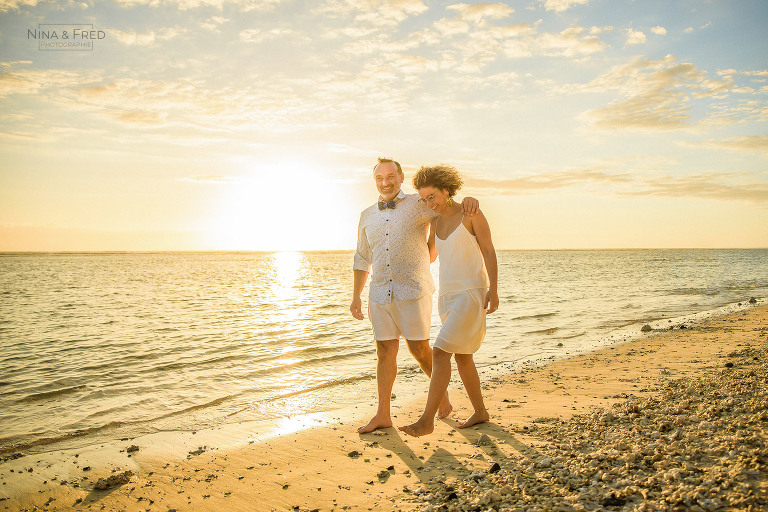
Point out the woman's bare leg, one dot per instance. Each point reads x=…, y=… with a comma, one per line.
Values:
x=468, y=373
x=441, y=376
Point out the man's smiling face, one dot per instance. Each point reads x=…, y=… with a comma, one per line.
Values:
x=388, y=180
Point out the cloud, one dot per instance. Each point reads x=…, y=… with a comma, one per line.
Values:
x=181, y=4
x=17, y=80
x=468, y=48
x=562, y=5
x=478, y=13
x=704, y=186
x=376, y=12
x=187, y=108
x=212, y=179
x=543, y=182
x=732, y=72
x=258, y=36
x=635, y=37
x=600, y=30
x=717, y=186
x=14, y=5
x=571, y=42
x=242, y=5
x=659, y=31
x=132, y=38
x=214, y=23
x=656, y=94
x=754, y=143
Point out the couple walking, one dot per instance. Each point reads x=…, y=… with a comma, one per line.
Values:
x=397, y=240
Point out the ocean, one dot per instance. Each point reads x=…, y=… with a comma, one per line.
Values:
x=100, y=346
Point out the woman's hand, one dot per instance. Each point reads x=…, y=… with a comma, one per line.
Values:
x=491, y=301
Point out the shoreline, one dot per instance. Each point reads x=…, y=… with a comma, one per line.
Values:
x=319, y=468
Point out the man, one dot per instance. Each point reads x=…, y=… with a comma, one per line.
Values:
x=392, y=244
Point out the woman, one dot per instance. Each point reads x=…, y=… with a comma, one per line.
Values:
x=467, y=292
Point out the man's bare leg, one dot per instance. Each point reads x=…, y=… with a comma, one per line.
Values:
x=386, y=371
x=422, y=352
x=438, y=383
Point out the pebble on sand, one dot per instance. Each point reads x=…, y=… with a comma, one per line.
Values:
x=113, y=480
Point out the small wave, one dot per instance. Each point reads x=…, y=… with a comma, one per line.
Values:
x=746, y=286
x=324, y=385
x=10, y=445
x=536, y=317
x=312, y=363
x=548, y=332
x=197, y=407
x=47, y=395
x=694, y=291
x=570, y=336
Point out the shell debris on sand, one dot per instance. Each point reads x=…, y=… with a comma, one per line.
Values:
x=699, y=444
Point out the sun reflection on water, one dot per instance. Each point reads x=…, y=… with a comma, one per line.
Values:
x=284, y=287
x=287, y=268
x=292, y=424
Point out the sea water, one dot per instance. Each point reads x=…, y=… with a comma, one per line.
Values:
x=123, y=344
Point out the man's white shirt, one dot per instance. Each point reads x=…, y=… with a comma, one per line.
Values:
x=392, y=246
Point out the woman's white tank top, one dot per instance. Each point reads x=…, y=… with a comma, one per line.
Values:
x=461, y=263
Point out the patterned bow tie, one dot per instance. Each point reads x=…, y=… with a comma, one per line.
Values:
x=383, y=205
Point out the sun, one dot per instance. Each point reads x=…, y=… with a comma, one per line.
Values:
x=287, y=206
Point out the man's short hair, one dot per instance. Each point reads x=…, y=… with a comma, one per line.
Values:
x=388, y=161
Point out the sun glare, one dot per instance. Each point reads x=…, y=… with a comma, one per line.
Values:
x=272, y=209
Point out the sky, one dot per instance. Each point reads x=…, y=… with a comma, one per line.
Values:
x=254, y=124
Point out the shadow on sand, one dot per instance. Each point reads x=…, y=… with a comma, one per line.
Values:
x=485, y=440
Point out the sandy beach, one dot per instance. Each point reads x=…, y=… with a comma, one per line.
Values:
x=671, y=420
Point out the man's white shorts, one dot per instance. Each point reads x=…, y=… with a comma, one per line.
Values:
x=410, y=319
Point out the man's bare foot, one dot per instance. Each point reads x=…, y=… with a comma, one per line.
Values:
x=376, y=423
x=477, y=417
x=445, y=407
x=418, y=429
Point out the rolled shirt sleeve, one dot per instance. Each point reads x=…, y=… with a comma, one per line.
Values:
x=363, y=255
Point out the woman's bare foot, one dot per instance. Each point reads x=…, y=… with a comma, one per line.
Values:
x=420, y=428
x=445, y=407
x=376, y=423
x=477, y=417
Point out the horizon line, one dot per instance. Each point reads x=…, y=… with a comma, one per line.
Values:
x=273, y=251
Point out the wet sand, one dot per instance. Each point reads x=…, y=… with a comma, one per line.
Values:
x=672, y=420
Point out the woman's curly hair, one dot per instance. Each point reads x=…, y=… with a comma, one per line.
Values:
x=441, y=176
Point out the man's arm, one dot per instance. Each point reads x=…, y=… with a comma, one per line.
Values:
x=362, y=267
x=361, y=276
x=470, y=206
x=431, y=242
